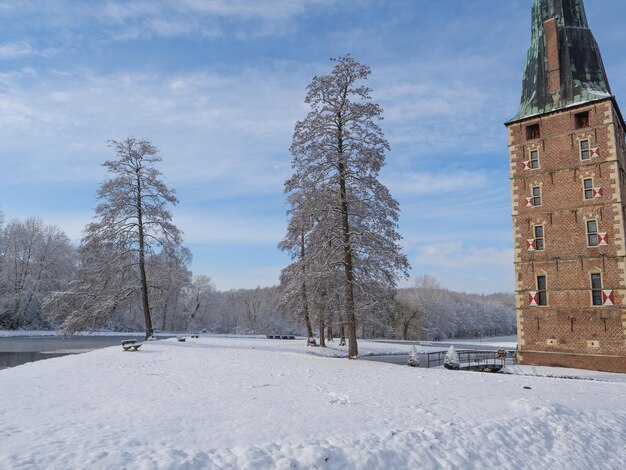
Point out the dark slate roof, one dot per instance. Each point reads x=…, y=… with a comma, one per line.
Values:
x=583, y=78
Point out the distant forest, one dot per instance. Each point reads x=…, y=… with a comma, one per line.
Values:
x=36, y=259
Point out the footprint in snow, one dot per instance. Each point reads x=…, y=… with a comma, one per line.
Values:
x=337, y=398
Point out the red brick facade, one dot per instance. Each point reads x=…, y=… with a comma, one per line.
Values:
x=570, y=330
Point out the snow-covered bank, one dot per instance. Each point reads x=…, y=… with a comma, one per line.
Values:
x=255, y=403
x=564, y=373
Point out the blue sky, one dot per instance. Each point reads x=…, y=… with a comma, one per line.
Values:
x=218, y=85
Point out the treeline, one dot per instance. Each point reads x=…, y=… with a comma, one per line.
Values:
x=36, y=259
x=430, y=312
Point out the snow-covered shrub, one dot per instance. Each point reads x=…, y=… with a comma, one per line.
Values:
x=451, y=361
x=414, y=358
x=501, y=354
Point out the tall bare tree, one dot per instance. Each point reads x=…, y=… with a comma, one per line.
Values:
x=294, y=277
x=337, y=153
x=132, y=222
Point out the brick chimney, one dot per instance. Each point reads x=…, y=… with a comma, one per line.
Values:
x=552, y=52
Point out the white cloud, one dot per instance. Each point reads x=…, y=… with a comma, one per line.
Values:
x=16, y=50
x=13, y=50
x=248, y=278
x=437, y=183
x=218, y=227
x=260, y=9
x=459, y=255
x=464, y=267
x=123, y=20
x=207, y=125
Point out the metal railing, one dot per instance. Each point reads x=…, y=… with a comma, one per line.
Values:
x=469, y=358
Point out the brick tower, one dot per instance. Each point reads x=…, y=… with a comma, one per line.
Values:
x=568, y=182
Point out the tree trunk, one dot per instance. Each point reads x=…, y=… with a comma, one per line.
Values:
x=353, y=349
x=342, y=325
x=329, y=329
x=193, y=315
x=405, y=330
x=164, y=314
x=142, y=263
x=322, y=338
x=305, y=304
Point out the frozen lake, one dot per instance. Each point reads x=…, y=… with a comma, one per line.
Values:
x=18, y=350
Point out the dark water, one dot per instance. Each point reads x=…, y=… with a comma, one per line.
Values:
x=19, y=350
x=12, y=359
x=391, y=359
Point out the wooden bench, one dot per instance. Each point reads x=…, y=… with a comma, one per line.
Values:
x=131, y=345
x=181, y=338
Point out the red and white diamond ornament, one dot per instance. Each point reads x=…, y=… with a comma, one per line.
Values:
x=531, y=244
x=533, y=298
x=597, y=192
x=526, y=165
x=594, y=152
x=603, y=239
x=607, y=297
x=529, y=202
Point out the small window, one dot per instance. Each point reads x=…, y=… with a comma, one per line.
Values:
x=584, y=149
x=536, y=195
x=592, y=233
x=582, y=120
x=534, y=159
x=532, y=132
x=542, y=293
x=588, y=188
x=538, y=229
x=596, y=289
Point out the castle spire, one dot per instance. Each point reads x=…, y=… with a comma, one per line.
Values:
x=563, y=64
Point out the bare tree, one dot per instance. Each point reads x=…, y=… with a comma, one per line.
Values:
x=251, y=304
x=407, y=311
x=34, y=259
x=293, y=278
x=338, y=151
x=132, y=222
x=169, y=275
x=201, y=299
x=414, y=302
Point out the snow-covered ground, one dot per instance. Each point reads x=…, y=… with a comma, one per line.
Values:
x=564, y=373
x=256, y=403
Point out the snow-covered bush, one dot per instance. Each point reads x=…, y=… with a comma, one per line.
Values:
x=451, y=361
x=501, y=354
x=414, y=358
